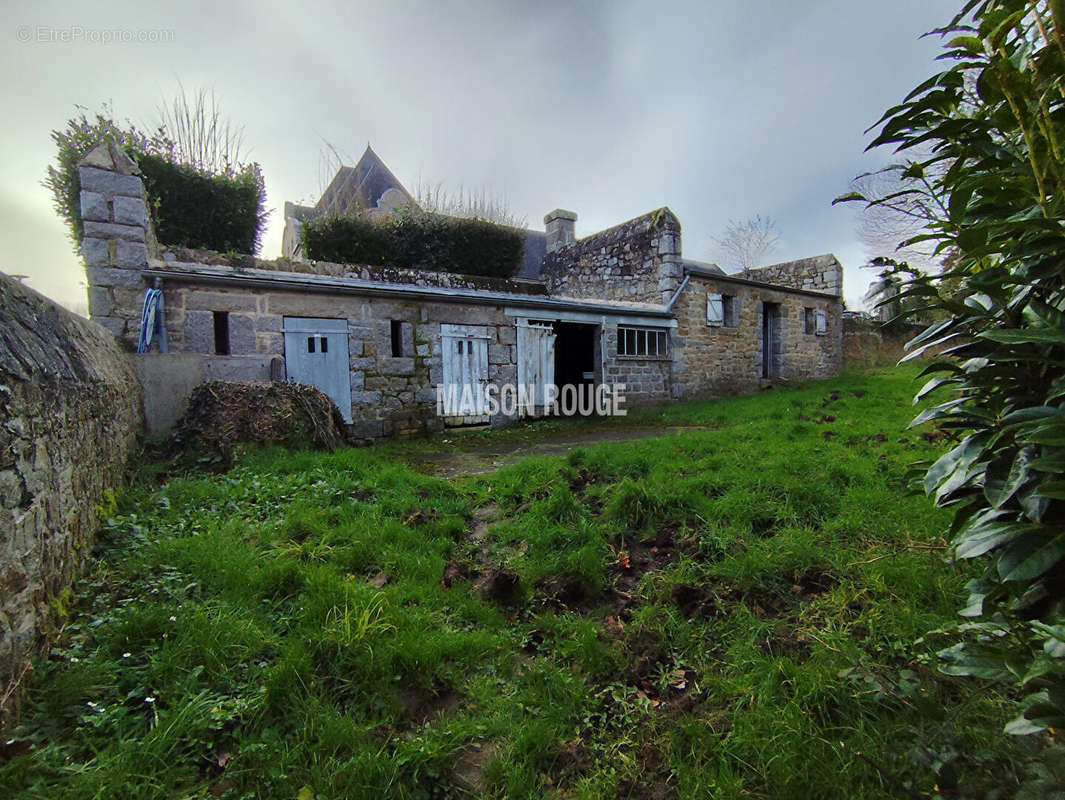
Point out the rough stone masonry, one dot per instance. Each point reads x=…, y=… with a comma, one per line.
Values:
x=70, y=408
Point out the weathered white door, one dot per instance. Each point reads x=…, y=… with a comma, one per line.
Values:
x=464, y=350
x=536, y=365
x=316, y=352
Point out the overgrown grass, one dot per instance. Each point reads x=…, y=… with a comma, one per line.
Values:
x=727, y=612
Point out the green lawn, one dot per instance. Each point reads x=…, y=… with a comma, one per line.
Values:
x=726, y=612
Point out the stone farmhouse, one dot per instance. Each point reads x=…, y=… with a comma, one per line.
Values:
x=622, y=306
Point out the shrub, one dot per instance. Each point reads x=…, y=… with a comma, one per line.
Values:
x=194, y=208
x=218, y=205
x=994, y=120
x=413, y=238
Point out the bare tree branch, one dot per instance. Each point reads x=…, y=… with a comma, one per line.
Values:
x=746, y=244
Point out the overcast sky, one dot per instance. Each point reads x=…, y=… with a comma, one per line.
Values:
x=720, y=109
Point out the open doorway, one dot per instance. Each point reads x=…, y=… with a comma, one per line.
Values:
x=772, y=345
x=575, y=360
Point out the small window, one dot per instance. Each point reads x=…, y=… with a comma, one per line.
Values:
x=310, y=344
x=722, y=310
x=809, y=324
x=221, y=333
x=324, y=342
x=397, y=338
x=642, y=342
x=821, y=322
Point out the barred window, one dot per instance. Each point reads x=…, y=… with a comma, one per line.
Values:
x=642, y=341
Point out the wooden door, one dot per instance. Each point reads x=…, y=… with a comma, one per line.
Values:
x=316, y=352
x=536, y=365
x=464, y=350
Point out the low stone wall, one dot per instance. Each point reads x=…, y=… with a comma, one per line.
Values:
x=69, y=414
x=816, y=274
x=867, y=344
x=639, y=260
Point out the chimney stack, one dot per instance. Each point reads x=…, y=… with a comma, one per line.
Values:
x=559, y=225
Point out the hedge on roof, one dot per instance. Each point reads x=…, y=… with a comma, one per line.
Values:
x=196, y=209
x=414, y=238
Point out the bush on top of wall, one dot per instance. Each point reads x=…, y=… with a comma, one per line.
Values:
x=414, y=238
x=202, y=195
x=193, y=208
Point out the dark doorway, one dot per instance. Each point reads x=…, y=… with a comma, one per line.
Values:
x=575, y=347
x=772, y=348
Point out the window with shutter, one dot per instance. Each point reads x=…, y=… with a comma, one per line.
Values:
x=822, y=322
x=715, y=310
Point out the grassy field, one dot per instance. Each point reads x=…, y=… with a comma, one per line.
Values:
x=726, y=612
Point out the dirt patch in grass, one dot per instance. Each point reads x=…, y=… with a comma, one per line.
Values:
x=713, y=599
x=421, y=705
x=455, y=571
x=563, y=592
x=500, y=585
x=655, y=781
x=469, y=767
x=571, y=759
x=420, y=516
x=651, y=554
x=483, y=518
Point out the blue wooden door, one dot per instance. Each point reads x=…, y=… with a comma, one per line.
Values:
x=316, y=352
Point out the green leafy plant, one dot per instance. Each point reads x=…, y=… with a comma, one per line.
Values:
x=199, y=196
x=411, y=237
x=195, y=208
x=992, y=127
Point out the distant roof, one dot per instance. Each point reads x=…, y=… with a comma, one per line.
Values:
x=704, y=266
x=359, y=188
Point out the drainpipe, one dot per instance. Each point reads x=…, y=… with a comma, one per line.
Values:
x=676, y=294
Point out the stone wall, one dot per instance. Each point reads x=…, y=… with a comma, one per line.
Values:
x=117, y=239
x=390, y=395
x=816, y=274
x=647, y=379
x=728, y=359
x=69, y=413
x=866, y=343
x=636, y=261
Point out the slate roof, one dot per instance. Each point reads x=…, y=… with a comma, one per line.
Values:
x=358, y=188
